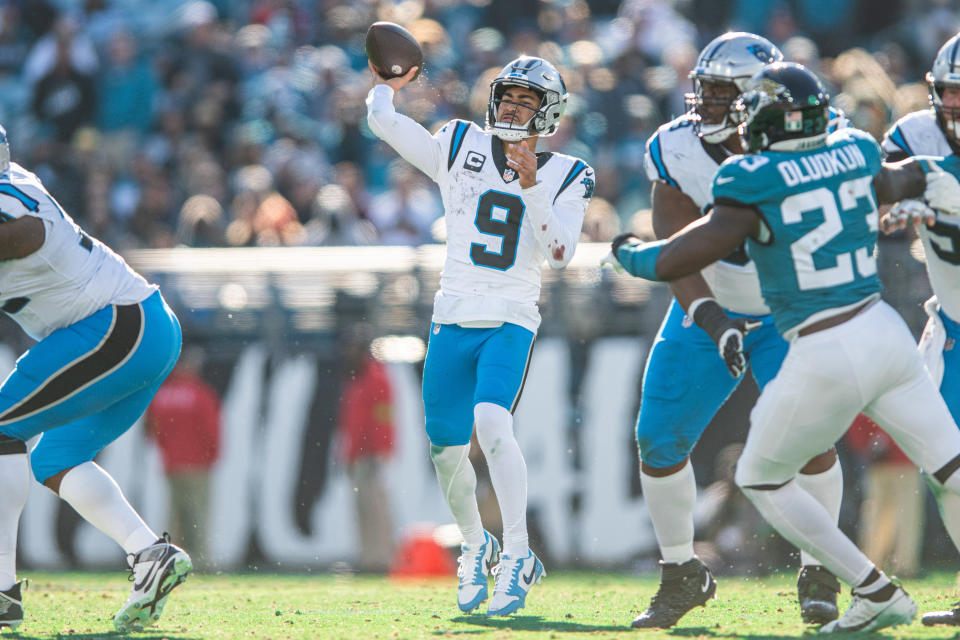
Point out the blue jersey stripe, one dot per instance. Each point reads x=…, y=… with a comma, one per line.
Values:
x=459, y=133
x=578, y=166
x=25, y=200
x=657, y=157
x=896, y=136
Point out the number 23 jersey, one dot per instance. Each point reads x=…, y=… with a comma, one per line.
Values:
x=499, y=234
x=819, y=220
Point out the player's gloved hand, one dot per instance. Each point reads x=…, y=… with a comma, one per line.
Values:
x=611, y=258
x=727, y=332
x=943, y=190
x=905, y=213
x=621, y=240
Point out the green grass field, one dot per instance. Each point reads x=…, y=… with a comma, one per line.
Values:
x=300, y=607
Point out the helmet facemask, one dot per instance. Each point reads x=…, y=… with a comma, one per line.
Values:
x=514, y=120
x=712, y=102
x=4, y=151
x=539, y=76
x=948, y=117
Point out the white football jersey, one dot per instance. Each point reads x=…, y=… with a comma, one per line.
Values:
x=918, y=134
x=70, y=277
x=498, y=234
x=678, y=157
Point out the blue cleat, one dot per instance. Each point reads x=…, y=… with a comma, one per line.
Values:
x=515, y=577
x=474, y=568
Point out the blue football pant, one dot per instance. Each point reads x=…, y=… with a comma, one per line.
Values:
x=467, y=366
x=686, y=382
x=86, y=384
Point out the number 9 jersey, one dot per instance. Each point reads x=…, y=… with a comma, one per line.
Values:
x=498, y=234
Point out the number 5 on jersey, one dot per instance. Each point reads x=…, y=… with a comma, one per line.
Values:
x=498, y=214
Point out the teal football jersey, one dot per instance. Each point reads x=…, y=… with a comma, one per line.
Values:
x=819, y=219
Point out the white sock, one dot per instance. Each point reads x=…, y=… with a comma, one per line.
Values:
x=827, y=488
x=97, y=497
x=15, y=482
x=949, y=504
x=805, y=523
x=458, y=482
x=670, y=500
x=508, y=473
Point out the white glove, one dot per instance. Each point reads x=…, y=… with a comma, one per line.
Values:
x=610, y=260
x=905, y=213
x=943, y=190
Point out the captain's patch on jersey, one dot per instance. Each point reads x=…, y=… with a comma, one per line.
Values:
x=474, y=161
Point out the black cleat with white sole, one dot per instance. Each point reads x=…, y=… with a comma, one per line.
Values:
x=817, y=591
x=11, y=607
x=950, y=618
x=682, y=588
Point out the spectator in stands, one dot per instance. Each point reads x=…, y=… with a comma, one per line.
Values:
x=366, y=435
x=891, y=514
x=184, y=421
x=64, y=97
x=126, y=87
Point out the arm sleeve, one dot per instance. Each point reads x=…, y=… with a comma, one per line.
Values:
x=654, y=164
x=413, y=142
x=895, y=145
x=557, y=223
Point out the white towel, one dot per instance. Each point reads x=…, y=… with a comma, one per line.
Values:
x=932, y=341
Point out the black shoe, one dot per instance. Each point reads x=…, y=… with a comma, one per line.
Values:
x=682, y=587
x=817, y=591
x=11, y=607
x=951, y=618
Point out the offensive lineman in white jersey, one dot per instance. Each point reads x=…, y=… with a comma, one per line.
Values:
x=936, y=132
x=507, y=208
x=685, y=383
x=106, y=340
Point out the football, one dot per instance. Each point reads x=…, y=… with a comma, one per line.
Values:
x=393, y=50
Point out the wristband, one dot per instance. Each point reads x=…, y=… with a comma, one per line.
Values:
x=709, y=316
x=641, y=259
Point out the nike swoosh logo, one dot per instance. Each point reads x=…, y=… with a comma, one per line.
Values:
x=706, y=582
x=529, y=579
x=157, y=565
x=724, y=180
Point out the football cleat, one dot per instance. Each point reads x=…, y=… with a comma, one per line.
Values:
x=11, y=607
x=866, y=615
x=515, y=577
x=817, y=591
x=475, y=563
x=951, y=618
x=154, y=571
x=682, y=587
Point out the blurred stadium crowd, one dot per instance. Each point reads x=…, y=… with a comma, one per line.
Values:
x=159, y=123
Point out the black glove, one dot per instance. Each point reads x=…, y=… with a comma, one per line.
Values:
x=621, y=240
x=727, y=332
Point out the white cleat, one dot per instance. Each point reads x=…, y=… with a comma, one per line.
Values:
x=515, y=577
x=867, y=615
x=474, y=568
x=155, y=571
